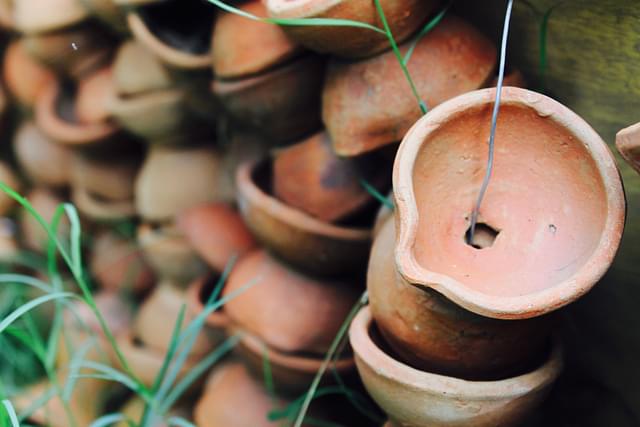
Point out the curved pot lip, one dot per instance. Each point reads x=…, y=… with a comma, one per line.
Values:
x=170, y=55
x=295, y=218
x=217, y=319
x=418, y=381
x=99, y=209
x=516, y=307
x=299, y=8
x=122, y=105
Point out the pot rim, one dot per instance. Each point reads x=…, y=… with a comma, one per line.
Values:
x=512, y=307
x=417, y=381
x=101, y=209
x=627, y=140
x=299, y=8
x=255, y=196
x=121, y=106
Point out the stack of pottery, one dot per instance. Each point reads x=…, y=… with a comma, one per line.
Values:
x=459, y=325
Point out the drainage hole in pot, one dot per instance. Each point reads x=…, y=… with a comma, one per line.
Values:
x=483, y=237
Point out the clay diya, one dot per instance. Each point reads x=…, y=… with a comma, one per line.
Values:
x=404, y=18
x=268, y=101
x=34, y=16
x=310, y=177
x=45, y=202
x=299, y=239
x=24, y=77
x=290, y=312
x=8, y=177
x=40, y=159
x=176, y=178
x=549, y=228
x=416, y=398
x=628, y=144
x=368, y=104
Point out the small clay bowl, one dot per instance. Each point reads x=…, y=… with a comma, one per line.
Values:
x=97, y=208
x=169, y=253
x=243, y=47
x=24, y=77
x=35, y=16
x=266, y=308
x=404, y=18
x=283, y=103
x=40, y=159
x=216, y=232
x=137, y=71
x=299, y=239
x=117, y=264
x=198, y=294
x=9, y=178
x=310, y=177
x=628, y=145
x=45, y=202
x=419, y=398
x=368, y=104
x=292, y=373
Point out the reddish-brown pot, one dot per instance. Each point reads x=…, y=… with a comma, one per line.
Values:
x=557, y=221
x=404, y=18
x=628, y=144
x=368, y=104
x=107, y=177
x=301, y=240
x=97, y=208
x=283, y=102
x=23, y=76
x=137, y=71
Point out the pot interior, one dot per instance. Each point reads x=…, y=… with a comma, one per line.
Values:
x=543, y=214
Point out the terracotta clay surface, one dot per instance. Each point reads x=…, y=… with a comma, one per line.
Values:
x=628, y=144
x=9, y=177
x=107, y=177
x=42, y=160
x=242, y=47
x=299, y=239
x=289, y=311
x=430, y=333
x=24, y=77
x=98, y=208
x=414, y=398
x=109, y=13
x=310, y=177
x=45, y=202
x=403, y=16
x=35, y=16
x=368, y=104
x=555, y=201
x=93, y=95
x=136, y=70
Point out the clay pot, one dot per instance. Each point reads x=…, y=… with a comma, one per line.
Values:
x=404, y=18
x=310, y=177
x=198, y=294
x=551, y=227
x=35, y=16
x=176, y=178
x=7, y=20
x=243, y=47
x=301, y=240
x=169, y=254
x=430, y=333
x=45, y=202
x=118, y=265
x=8, y=177
x=137, y=71
x=109, y=13
x=368, y=104
x=109, y=178
x=282, y=103
x=288, y=311
x=24, y=77
x=216, y=232
x=512, y=77
x=628, y=144
x=97, y=208
x=43, y=161
x=292, y=373
x=415, y=398
x=178, y=32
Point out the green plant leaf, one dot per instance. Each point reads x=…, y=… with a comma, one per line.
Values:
x=8, y=406
x=17, y=313
x=179, y=422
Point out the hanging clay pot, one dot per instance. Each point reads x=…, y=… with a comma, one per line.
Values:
x=24, y=77
x=428, y=332
x=628, y=144
x=301, y=240
x=242, y=47
x=43, y=161
x=216, y=232
x=8, y=177
x=176, y=178
x=550, y=228
x=169, y=253
x=422, y=399
x=404, y=18
x=310, y=177
x=288, y=311
x=198, y=295
x=117, y=264
x=35, y=16
x=45, y=202
x=368, y=104
x=271, y=100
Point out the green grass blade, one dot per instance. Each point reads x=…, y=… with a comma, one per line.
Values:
x=108, y=419
x=542, y=40
x=39, y=402
x=376, y=194
x=8, y=406
x=114, y=375
x=179, y=422
x=425, y=30
x=26, y=280
x=17, y=313
x=74, y=368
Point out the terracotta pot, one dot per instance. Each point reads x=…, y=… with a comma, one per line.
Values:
x=35, y=16
x=40, y=159
x=110, y=178
x=404, y=17
x=430, y=333
x=415, y=398
x=555, y=223
x=109, y=13
x=8, y=177
x=169, y=254
x=242, y=47
x=98, y=208
x=310, y=177
x=24, y=77
x=271, y=100
x=292, y=373
x=299, y=239
x=45, y=202
x=93, y=93
x=137, y=71
x=178, y=32
x=628, y=144
x=288, y=311
x=7, y=20
x=198, y=294
x=117, y=264
x=368, y=104
x=216, y=232
x=160, y=196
